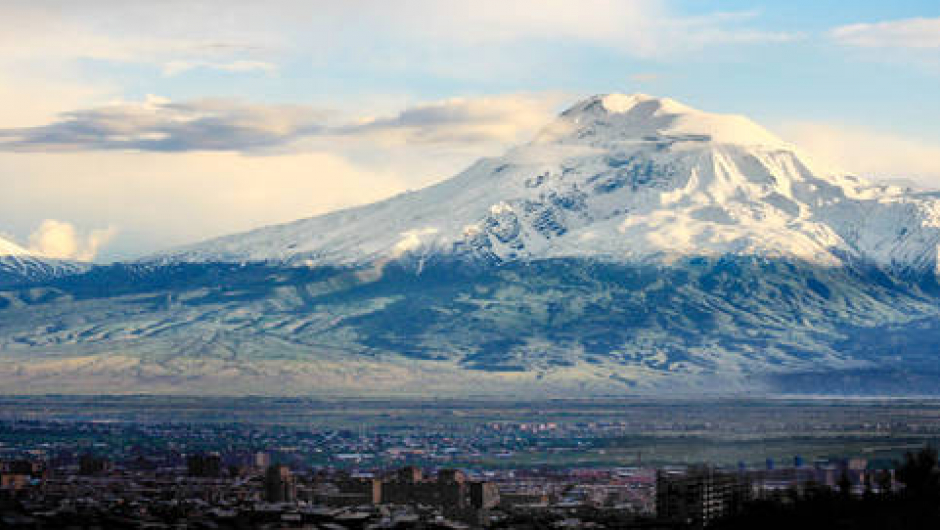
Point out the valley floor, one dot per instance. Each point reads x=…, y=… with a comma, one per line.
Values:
x=506, y=434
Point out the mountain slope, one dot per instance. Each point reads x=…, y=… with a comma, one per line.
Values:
x=636, y=245
x=557, y=327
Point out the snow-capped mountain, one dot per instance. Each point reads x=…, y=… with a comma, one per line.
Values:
x=19, y=266
x=635, y=245
x=623, y=178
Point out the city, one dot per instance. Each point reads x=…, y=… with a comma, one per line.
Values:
x=301, y=467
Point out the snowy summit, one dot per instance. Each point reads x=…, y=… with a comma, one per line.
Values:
x=639, y=117
x=622, y=178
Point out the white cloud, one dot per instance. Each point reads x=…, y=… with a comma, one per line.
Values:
x=868, y=153
x=58, y=239
x=918, y=33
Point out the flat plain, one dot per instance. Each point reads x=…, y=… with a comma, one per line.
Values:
x=553, y=433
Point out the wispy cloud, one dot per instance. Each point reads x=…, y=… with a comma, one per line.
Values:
x=177, y=67
x=177, y=34
x=920, y=33
x=224, y=125
x=644, y=28
x=462, y=120
x=868, y=153
x=644, y=77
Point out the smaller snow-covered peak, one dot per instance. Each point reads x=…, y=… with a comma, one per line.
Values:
x=8, y=248
x=614, y=118
x=19, y=266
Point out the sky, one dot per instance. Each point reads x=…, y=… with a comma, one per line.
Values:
x=129, y=127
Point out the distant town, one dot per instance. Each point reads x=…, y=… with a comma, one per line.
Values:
x=114, y=472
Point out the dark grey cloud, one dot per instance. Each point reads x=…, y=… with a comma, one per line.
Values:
x=164, y=126
x=224, y=125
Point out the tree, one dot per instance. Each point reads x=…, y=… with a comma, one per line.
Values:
x=920, y=474
x=868, y=489
x=883, y=479
x=844, y=484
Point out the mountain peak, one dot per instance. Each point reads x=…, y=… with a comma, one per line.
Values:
x=616, y=103
x=615, y=118
x=620, y=177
